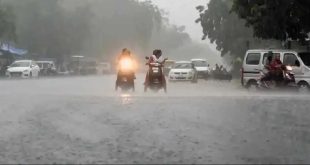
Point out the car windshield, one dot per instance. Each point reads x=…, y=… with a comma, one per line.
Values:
x=183, y=66
x=200, y=63
x=43, y=65
x=305, y=57
x=20, y=64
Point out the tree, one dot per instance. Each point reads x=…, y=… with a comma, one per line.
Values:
x=275, y=19
x=97, y=28
x=7, y=24
x=47, y=30
x=224, y=28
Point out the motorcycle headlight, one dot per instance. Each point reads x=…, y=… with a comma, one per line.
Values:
x=126, y=64
x=289, y=68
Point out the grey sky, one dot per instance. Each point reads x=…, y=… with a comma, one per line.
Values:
x=183, y=12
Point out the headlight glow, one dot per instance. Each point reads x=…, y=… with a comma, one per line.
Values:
x=126, y=64
x=289, y=68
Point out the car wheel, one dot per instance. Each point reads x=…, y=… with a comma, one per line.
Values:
x=303, y=87
x=252, y=85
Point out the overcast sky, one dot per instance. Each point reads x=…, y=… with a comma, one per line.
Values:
x=183, y=12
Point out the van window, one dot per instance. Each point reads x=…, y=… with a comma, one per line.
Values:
x=253, y=59
x=305, y=57
x=266, y=56
x=289, y=59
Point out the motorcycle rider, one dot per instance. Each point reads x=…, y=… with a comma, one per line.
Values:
x=155, y=58
x=267, y=66
x=124, y=54
x=276, y=68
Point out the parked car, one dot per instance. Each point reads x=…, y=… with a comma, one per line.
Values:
x=47, y=68
x=23, y=69
x=81, y=65
x=183, y=71
x=202, y=68
x=254, y=62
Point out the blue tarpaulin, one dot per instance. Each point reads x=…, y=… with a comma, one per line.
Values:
x=13, y=50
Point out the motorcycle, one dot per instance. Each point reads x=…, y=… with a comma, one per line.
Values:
x=285, y=79
x=125, y=76
x=156, y=77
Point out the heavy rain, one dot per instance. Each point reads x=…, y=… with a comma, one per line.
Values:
x=154, y=82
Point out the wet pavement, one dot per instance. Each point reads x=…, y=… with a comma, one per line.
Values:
x=83, y=120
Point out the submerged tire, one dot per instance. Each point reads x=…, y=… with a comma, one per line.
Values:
x=303, y=86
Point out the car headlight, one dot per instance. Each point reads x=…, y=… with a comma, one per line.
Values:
x=25, y=71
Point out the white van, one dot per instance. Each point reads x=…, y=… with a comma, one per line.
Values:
x=254, y=61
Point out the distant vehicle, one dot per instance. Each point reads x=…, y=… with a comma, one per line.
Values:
x=63, y=71
x=202, y=68
x=221, y=75
x=255, y=59
x=47, y=68
x=167, y=66
x=88, y=67
x=104, y=67
x=183, y=71
x=82, y=65
x=23, y=69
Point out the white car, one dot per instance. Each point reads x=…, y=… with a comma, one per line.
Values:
x=183, y=71
x=202, y=67
x=23, y=69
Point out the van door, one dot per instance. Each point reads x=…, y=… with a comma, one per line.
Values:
x=252, y=65
x=291, y=59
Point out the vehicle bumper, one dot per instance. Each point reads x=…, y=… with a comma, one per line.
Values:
x=18, y=75
x=174, y=78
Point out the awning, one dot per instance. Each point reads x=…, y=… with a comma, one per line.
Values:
x=13, y=50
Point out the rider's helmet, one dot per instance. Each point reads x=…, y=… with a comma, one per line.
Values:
x=157, y=52
x=126, y=51
x=269, y=58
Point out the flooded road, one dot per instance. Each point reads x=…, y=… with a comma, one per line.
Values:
x=83, y=120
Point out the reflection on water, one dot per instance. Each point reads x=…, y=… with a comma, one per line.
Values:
x=126, y=99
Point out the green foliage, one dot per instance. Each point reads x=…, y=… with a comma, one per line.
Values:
x=223, y=28
x=100, y=28
x=46, y=29
x=7, y=24
x=276, y=19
